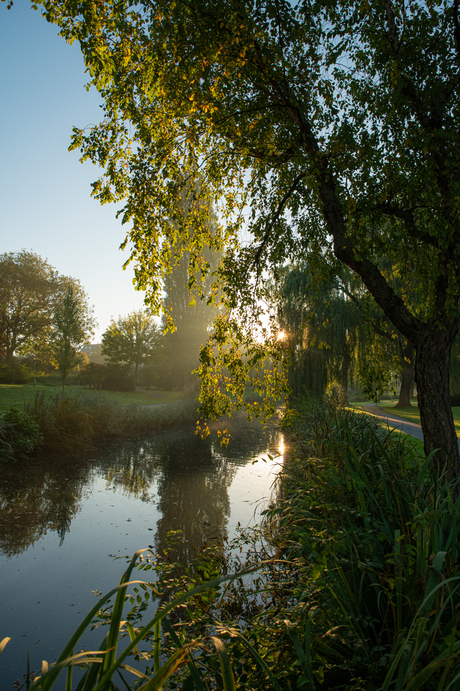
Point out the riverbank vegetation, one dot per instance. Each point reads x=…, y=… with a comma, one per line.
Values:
x=355, y=581
x=64, y=421
x=19, y=395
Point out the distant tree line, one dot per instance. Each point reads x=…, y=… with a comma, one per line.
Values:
x=46, y=324
x=46, y=318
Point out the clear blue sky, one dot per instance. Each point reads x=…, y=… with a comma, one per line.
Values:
x=45, y=202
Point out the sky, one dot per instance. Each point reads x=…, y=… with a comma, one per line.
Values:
x=45, y=202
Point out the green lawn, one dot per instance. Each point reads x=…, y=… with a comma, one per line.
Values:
x=19, y=394
x=16, y=394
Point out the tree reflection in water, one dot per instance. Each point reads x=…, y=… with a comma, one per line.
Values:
x=37, y=496
x=185, y=476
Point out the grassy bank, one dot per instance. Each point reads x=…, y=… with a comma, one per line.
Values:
x=11, y=394
x=66, y=421
x=412, y=414
x=355, y=582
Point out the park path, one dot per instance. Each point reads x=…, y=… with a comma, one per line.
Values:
x=395, y=421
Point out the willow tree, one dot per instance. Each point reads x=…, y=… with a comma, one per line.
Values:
x=335, y=123
x=322, y=324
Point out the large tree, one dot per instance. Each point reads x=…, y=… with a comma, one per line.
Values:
x=335, y=123
x=188, y=310
x=32, y=292
x=133, y=339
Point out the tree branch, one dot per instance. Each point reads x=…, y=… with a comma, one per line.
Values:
x=276, y=216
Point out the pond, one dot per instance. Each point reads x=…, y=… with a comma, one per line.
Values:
x=63, y=522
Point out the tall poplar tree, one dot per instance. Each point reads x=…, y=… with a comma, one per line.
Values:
x=188, y=304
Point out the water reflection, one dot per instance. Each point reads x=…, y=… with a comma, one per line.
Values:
x=38, y=496
x=62, y=520
x=186, y=477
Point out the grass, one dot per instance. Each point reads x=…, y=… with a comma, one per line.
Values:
x=19, y=394
x=11, y=394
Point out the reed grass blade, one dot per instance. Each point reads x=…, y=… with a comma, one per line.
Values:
x=257, y=657
x=225, y=666
x=159, y=616
x=194, y=672
x=171, y=665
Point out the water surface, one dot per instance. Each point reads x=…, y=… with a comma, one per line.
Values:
x=64, y=520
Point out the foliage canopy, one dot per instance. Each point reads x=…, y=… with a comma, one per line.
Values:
x=133, y=339
x=329, y=129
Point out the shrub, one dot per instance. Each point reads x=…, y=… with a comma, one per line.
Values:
x=20, y=434
x=15, y=374
x=370, y=535
x=109, y=377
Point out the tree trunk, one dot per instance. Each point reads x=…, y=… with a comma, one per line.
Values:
x=136, y=367
x=407, y=376
x=432, y=378
x=9, y=356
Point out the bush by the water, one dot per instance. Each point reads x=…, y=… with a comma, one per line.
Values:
x=355, y=581
x=20, y=434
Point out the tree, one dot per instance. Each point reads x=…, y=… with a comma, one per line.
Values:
x=133, y=339
x=32, y=292
x=333, y=329
x=187, y=304
x=336, y=124
x=28, y=287
x=72, y=326
x=323, y=324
